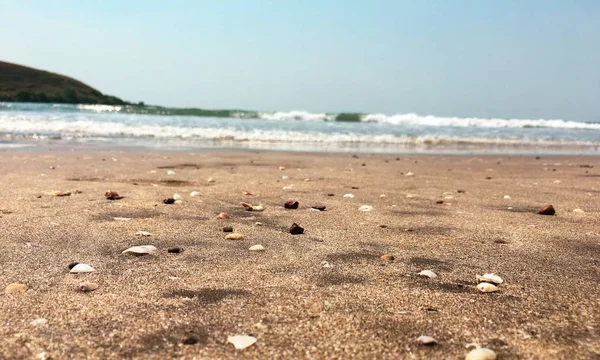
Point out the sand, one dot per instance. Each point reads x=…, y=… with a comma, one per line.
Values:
x=358, y=307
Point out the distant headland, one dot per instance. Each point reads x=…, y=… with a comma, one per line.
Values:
x=24, y=84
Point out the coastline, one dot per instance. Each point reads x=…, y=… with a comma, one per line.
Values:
x=360, y=306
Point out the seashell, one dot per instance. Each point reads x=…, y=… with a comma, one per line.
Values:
x=348, y=195
x=410, y=173
x=87, y=286
x=546, y=210
x=223, y=216
x=430, y=274
x=578, y=211
x=289, y=187
x=257, y=208
x=282, y=168
x=490, y=278
x=195, y=193
x=252, y=207
x=365, y=208
x=487, y=287
x=140, y=250
x=257, y=248
x=325, y=265
x=112, y=195
x=258, y=223
x=143, y=233
x=296, y=229
x=292, y=204
x=319, y=207
x=240, y=342
x=169, y=201
x=382, y=196
x=426, y=340
x=387, y=257
x=248, y=193
x=81, y=268
x=507, y=197
x=210, y=180
x=122, y=218
x=284, y=177
x=16, y=288
x=170, y=172
x=38, y=322
x=480, y=353
x=178, y=201
x=234, y=236
x=177, y=197
x=307, y=179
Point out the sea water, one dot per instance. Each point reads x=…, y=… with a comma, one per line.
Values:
x=39, y=125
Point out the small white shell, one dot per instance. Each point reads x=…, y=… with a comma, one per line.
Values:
x=81, y=268
x=170, y=172
x=410, y=173
x=257, y=247
x=241, y=342
x=487, y=287
x=87, y=286
x=290, y=187
x=140, y=250
x=177, y=197
x=348, y=195
x=258, y=208
x=365, y=208
x=490, y=278
x=578, y=211
x=507, y=197
x=195, y=193
x=480, y=353
x=430, y=274
x=121, y=218
x=325, y=264
x=143, y=233
x=210, y=180
x=426, y=340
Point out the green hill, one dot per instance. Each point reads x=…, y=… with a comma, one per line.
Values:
x=24, y=84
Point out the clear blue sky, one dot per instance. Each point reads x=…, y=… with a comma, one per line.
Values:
x=527, y=59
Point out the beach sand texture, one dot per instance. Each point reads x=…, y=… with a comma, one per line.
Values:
x=323, y=294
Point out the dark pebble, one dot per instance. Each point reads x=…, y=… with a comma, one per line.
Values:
x=537, y=157
x=291, y=204
x=547, y=210
x=296, y=229
x=190, y=340
x=364, y=164
x=175, y=250
x=169, y=201
x=72, y=265
x=228, y=229
x=355, y=187
x=319, y=207
x=112, y=195
x=461, y=191
x=488, y=178
x=439, y=202
x=330, y=194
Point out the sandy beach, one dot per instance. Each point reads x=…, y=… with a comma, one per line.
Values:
x=324, y=294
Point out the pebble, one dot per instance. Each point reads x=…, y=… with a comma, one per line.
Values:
x=382, y=196
x=169, y=201
x=195, y=193
x=291, y=204
x=234, y=236
x=228, y=229
x=319, y=207
x=177, y=197
x=16, y=288
x=223, y=216
x=175, y=250
x=426, y=340
x=388, y=257
x=284, y=177
x=112, y=195
x=87, y=286
x=240, y=342
x=282, y=168
x=507, y=197
x=296, y=229
x=383, y=226
x=170, y=172
x=546, y=210
x=257, y=248
x=330, y=194
x=578, y=211
x=410, y=173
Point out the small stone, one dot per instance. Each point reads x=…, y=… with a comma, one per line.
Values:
x=139, y=250
x=507, y=197
x=177, y=197
x=578, y=211
x=487, y=287
x=169, y=201
x=16, y=288
x=330, y=194
x=223, y=216
x=383, y=226
x=258, y=223
x=388, y=257
x=547, y=210
x=190, y=340
x=461, y=191
x=488, y=178
x=195, y=193
x=210, y=180
x=112, y=195
x=296, y=229
x=234, y=236
x=291, y=204
x=257, y=248
x=410, y=173
x=426, y=340
x=382, y=196
x=439, y=202
x=228, y=229
x=318, y=207
x=248, y=193
x=175, y=250
x=170, y=172
x=284, y=177
x=87, y=286
x=282, y=168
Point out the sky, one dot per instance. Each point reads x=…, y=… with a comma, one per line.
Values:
x=507, y=59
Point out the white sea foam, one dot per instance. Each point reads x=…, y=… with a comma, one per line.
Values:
x=99, y=108
x=296, y=115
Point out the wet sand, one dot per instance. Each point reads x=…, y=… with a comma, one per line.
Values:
x=358, y=307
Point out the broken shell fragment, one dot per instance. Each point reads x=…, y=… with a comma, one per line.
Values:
x=480, y=353
x=365, y=208
x=234, y=236
x=140, y=250
x=348, y=195
x=240, y=342
x=177, y=197
x=428, y=273
x=143, y=233
x=81, y=268
x=195, y=193
x=16, y=288
x=547, y=210
x=112, y=195
x=121, y=219
x=490, y=278
x=210, y=180
x=252, y=207
x=487, y=287
x=578, y=211
x=257, y=248
x=87, y=286
x=319, y=207
x=296, y=229
x=223, y=216
x=426, y=340
x=291, y=204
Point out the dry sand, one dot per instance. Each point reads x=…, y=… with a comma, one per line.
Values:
x=360, y=307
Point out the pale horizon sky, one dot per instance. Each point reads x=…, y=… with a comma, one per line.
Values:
x=507, y=59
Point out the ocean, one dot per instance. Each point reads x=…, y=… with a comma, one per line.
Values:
x=33, y=126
